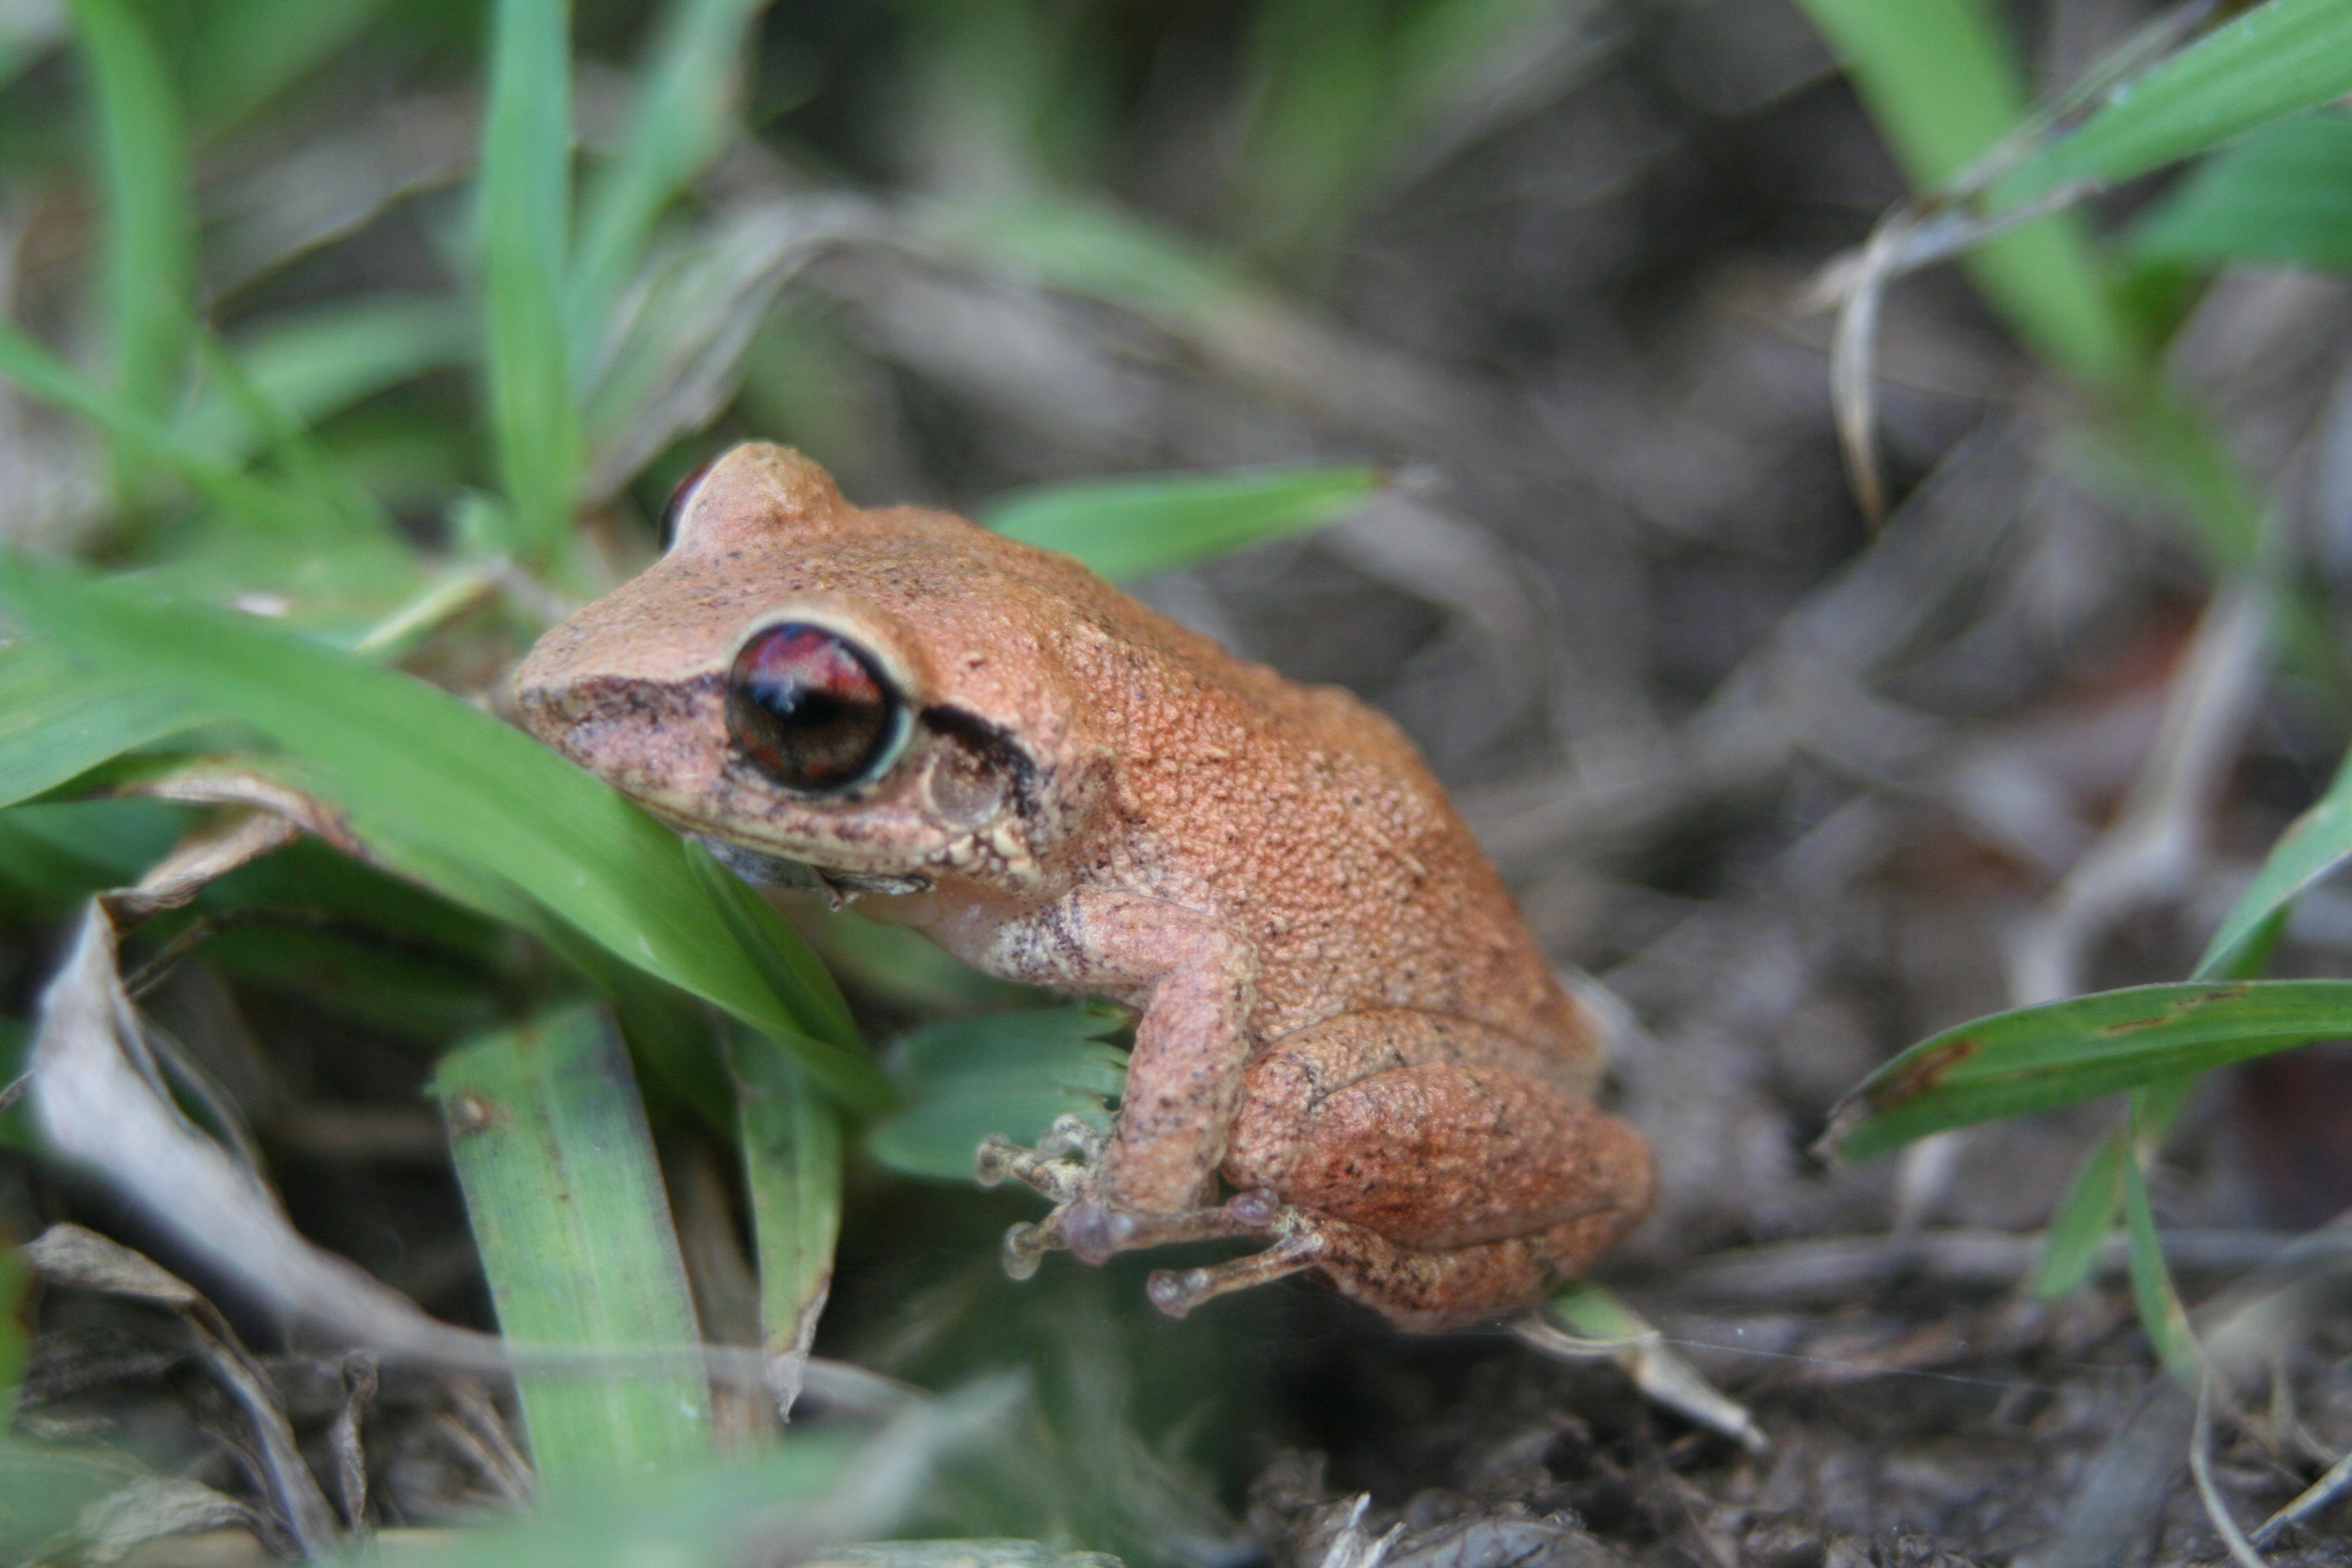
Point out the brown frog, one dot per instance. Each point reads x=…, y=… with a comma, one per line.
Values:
x=1342, y=1013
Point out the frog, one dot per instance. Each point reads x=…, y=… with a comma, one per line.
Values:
x=1348, y=1046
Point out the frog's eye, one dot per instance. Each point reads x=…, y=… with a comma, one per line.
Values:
x=812, y=710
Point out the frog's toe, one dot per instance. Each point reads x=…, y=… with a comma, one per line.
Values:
x=1026, y=1245
x=1177, y=1291
x=1073, y=1134
x=1047, y=1168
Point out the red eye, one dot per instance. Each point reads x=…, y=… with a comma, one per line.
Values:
x=812, y=709
x=672, y=509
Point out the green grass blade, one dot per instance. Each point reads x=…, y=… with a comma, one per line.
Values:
x=2282, y=197
x=54, y=854
x=1129, y=528
x=312, y=364
x=1319, y=92
x=319, y=485
x=681, y=119
x=2276, y=59
x=2034, y=1058
x=1008, y=1073
x=2094, y=1198
x=568, y=1210
x=148, y=275
x=1943, y=87
x=2160, y=1312
x=792, y=1146
x=14, y=1278
x=149, y=439
x=718, y=1516
x=454, y=779
x=242, y=52
x=1093, y=248
x=56, y=721
x=2315, y=845
x=2070, y=1250
x=791, y=969
x=525, y=217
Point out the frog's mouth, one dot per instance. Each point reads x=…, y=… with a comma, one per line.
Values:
x=763, y=869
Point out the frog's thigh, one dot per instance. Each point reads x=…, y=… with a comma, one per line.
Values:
x=1433, y=1154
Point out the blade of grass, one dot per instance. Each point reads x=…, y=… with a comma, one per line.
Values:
x=792, y=1147
x=2034, y=1058
x=241, y=495
x=2315, y=845
x=681, y=118
x=452, y=778
x=1129, y=528
x=1321, y=109
x=1944, y=89
x=2094, y=1197
x=791, y=969
x=324, y=487
x=525, y=217
x=241, y=52
x=2274, y=59
x=810, y=1489
x=314, y=363
x=55, y=855
x=710, y=1517
x=148, y=274
x=2160, y=1312
x=668, y=1031
x=1093, y=248
x=56, y=721
x=2282, y=195
x=2070, y=1248
x=1943, y=86
x=568, y=1211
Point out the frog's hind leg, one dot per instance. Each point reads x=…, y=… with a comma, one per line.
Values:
x=1421, y=1292
x=1428, y=1132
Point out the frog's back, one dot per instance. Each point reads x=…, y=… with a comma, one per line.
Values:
x=1306, y=819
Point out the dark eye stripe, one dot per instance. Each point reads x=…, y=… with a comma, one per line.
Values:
x=812, y=710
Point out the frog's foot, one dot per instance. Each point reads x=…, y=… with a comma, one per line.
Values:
x=1065, y=1168
x=1299, y=1242
x=1062, y=1167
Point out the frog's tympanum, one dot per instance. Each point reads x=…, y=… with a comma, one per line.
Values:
x=1343, y=1019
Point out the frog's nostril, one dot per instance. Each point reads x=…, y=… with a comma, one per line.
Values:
x=811, y=710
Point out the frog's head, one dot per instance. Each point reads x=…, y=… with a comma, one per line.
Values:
x=886, y=696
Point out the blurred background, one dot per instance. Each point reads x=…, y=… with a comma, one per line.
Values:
x=1799, y=785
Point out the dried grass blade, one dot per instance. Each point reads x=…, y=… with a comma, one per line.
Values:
x=99, y=1106
x=69, y=1255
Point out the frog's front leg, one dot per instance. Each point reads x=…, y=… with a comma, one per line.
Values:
x=1196, y=978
